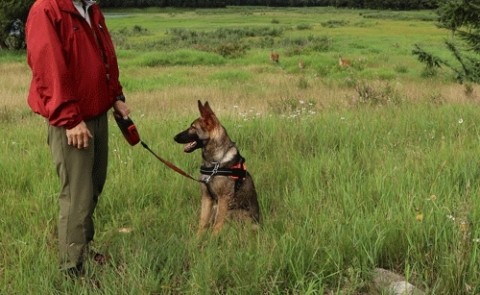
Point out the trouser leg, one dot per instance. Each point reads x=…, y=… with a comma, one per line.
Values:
x=82, y=176
x=100, y=161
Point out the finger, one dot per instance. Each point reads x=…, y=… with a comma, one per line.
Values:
x=85, y=138
x=125, y=114
x=78, y=142
x=73, y=140
x=124, y=111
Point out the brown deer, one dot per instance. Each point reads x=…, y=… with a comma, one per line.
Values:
x=344, y=63
x=275, y=57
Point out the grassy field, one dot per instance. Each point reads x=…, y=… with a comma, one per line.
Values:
x=374, y=165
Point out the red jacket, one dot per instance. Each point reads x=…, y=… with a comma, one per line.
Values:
x=74, y=66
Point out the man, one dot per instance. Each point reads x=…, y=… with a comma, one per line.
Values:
x=75, y=81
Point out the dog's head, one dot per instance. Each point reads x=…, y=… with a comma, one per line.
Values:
x=199, y=132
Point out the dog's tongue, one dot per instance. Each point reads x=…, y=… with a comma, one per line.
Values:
x=189, y=146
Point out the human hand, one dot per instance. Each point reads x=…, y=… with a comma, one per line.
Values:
x=121, y=108
x=79, y=136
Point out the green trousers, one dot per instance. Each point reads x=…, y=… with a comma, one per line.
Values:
x=82, y=174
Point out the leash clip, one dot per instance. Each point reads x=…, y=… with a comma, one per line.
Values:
x=214, y=171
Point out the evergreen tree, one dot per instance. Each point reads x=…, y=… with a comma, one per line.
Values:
x=462, y=18
x=13, y=14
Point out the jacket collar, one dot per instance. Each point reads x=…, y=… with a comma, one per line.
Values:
x=82, y=7
x=87, y=3
x=68, y=6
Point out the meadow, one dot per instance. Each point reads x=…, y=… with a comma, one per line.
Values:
x=372, y=165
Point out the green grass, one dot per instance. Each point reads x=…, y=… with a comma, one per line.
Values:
x=361, y=35
x=339, y=192
x=370, y=166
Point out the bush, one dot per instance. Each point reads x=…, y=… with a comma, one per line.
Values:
x=334, y=23
x=231, y=49
x=300, y=45
x=13, y=15
x=376, y=95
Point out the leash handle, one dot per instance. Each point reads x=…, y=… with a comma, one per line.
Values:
x=169, y=165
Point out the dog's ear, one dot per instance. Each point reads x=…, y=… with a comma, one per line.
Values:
x=200, y=107
x=205, y=110
x=208, y=115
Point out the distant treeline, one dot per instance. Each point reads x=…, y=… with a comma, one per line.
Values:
x=370, y=4
x=163, y=3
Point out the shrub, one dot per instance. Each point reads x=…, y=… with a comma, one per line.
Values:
x=376, y=94
x=311, y=43
x=292, y=107
x=301, y=27
x=13, y=14
x=334, y=23
x=231, y=49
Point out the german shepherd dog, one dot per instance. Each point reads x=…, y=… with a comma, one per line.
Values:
x=227, y=188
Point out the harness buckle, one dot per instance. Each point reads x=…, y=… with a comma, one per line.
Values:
x=214, y=171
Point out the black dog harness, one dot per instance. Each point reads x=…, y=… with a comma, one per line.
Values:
x=237, y=172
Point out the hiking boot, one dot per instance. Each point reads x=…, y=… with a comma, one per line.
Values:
x=75, y=272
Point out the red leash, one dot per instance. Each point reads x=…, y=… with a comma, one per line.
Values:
x=129, y=131
x=169, y=164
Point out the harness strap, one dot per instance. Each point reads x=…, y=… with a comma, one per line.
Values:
x=237, y=171
x=233, y=172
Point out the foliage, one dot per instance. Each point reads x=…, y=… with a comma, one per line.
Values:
x=370, y=4
x=432, y=62
x=461, y=17
x=376, y=95
x=303, y=45
x=11, y=12
x=163, y=3
x=227, y=42
x=457, y=14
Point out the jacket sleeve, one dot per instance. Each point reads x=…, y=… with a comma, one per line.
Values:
x=52, y=78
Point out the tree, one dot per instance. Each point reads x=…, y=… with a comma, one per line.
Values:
x=462, y=18
x=13, y=14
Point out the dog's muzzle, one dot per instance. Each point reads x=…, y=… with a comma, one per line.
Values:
x=191, y=142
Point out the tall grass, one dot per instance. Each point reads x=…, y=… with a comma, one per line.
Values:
x=340, y=191
x=355, y=168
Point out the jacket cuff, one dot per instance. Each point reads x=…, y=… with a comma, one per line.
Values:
x=67, y=116
x=72, y=123
x=120, y=97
